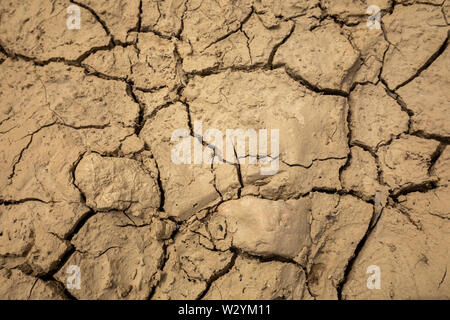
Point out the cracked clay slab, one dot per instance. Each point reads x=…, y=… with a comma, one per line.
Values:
x=118, y=180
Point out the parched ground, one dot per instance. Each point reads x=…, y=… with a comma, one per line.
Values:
x=87, y=180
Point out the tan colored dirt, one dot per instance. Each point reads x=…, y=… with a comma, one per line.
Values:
x=94, y=206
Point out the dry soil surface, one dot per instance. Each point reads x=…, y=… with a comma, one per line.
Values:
x=87, y=178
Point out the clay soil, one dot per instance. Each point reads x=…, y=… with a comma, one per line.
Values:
x=86, y=175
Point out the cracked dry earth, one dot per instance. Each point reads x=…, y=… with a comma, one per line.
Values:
x=86, y=177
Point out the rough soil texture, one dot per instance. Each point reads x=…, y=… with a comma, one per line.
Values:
x=87, y=178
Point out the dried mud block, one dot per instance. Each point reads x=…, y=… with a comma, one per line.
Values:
x=115, y=62
x=207, y=22
x=271, y=100
x=272, y=11
x=406, y=161
x=434, y=202
x=106, y=141
x=188, y=188
x=117, y=183
x=371, y=46
x=320, y=174
x=261, y=40
x=155, y=100
x=446, y=11
x=267, y=228
x=325, y=59
x=119, y=17
x=190, y=266
x=361, y=175
x=45, y=168
x=226, y=181
x=441, y=168
x=415, y=34
x=352, y=11
x=412, y=258
x=132, y=144
x=18, y=286
x=92, y=113
x=39, y=30
x=212, y=36
x=338, y=225
x=251, y=279
x=33, y=233
x=79, y=100
x=19, y=87
x=156, y=65
x=150, y=64
x=163, y=17
x=64, y=94
x=375, y=117
x=116, y=259
x=44, y=171
x=428, y=97
x=252, y=44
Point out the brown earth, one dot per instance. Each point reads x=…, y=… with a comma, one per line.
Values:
x=86, y=176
